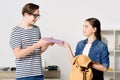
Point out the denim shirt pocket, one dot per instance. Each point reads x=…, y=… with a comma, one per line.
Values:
x=95, y=55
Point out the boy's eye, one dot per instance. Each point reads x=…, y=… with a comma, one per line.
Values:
x=35, y=15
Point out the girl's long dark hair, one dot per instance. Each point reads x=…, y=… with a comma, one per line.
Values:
x=95, y=24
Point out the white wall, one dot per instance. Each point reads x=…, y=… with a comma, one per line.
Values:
x=61, y=19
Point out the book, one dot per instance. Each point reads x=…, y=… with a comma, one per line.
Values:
x=54, y=40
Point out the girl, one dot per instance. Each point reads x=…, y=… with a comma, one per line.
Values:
x=92, y=47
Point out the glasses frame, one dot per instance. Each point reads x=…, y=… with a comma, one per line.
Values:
x=36, y=16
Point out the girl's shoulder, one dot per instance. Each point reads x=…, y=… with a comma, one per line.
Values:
x=82, y=42
x=102, y=44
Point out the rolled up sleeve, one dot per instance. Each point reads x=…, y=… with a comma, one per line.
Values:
x=105, y=57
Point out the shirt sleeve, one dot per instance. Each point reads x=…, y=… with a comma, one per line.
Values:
x=76, y=52
x=15, y=40
x=78, y=48
x=39, y=33
x=105, y=57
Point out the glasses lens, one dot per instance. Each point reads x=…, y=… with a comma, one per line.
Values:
x=36, y=15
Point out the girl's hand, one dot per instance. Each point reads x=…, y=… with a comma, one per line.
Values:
x=66, y=45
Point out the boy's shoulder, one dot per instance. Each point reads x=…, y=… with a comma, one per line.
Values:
x=16, y=28
x=35, y=26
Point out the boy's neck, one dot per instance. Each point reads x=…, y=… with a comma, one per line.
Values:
x=24, y=24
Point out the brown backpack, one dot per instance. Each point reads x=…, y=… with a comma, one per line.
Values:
x=80, y=69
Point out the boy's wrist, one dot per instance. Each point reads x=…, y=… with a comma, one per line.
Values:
x=36, y=45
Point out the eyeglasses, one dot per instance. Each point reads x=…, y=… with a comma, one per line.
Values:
x=36, y=15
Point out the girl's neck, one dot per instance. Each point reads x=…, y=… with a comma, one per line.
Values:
x=91, y=39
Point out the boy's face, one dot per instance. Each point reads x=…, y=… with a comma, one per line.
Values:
x=32, y=18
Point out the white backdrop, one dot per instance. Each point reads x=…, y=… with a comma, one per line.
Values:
x=61, y=19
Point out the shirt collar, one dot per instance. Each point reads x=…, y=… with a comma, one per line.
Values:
x=93, y=43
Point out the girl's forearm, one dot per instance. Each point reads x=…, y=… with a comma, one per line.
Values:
x=99, y=67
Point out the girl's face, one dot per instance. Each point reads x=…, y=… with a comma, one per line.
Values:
x=32, y=18
x=88, y=29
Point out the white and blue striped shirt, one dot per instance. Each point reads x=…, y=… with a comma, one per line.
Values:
x=31, y=65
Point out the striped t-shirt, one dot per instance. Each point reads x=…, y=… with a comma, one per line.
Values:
x=31, y=65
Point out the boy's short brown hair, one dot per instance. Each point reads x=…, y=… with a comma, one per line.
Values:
x=29, y=8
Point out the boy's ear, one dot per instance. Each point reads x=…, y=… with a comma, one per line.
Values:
x=26, y=14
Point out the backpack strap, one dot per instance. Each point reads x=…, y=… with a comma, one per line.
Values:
x=74, y=60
